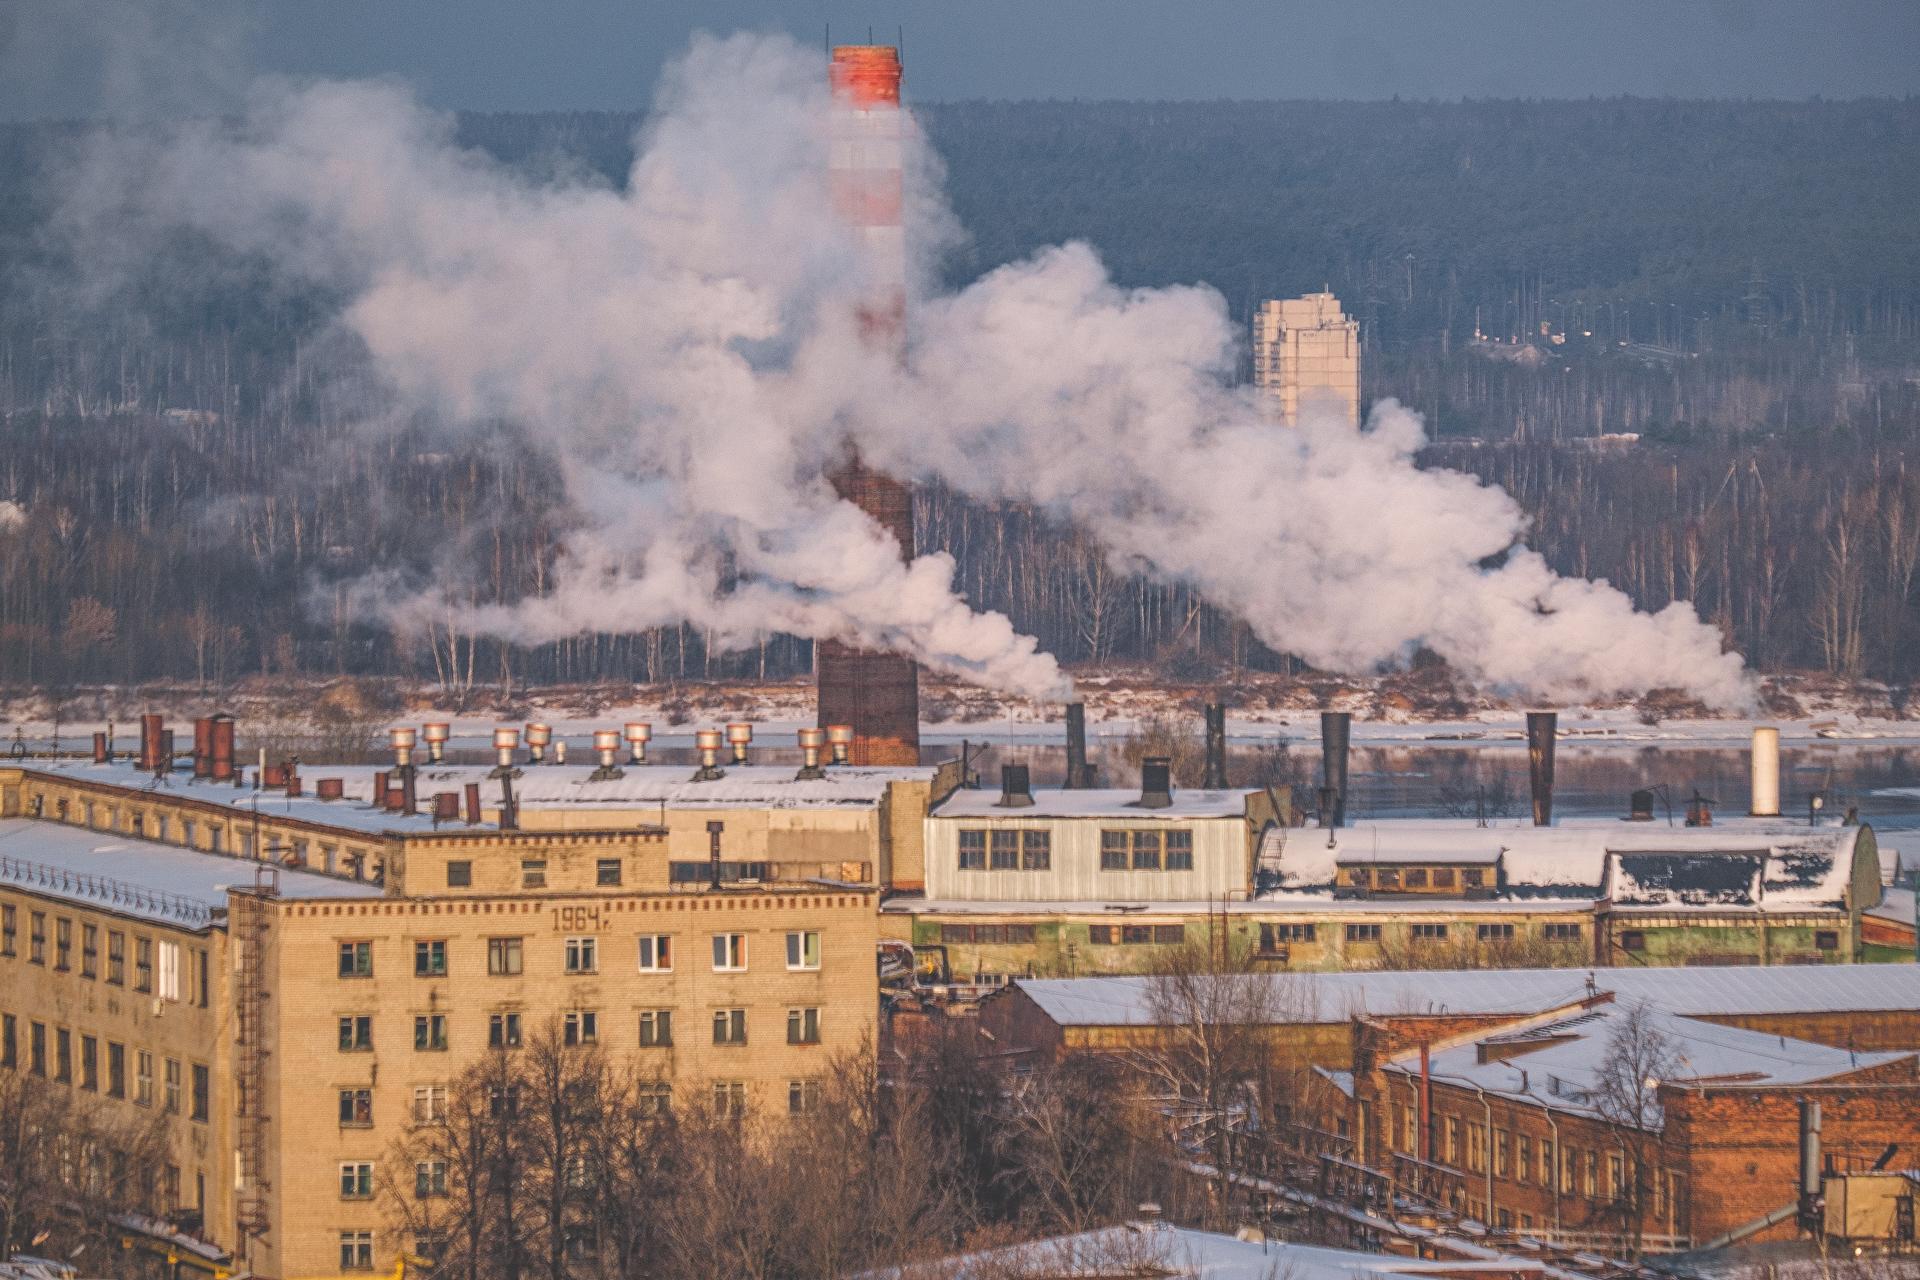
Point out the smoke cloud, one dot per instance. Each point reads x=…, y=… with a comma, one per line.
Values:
x=687, y=350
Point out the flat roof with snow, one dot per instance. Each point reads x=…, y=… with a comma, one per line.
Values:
x=1100, y=803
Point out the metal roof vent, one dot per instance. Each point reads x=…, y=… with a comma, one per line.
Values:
x=1016, y=791
x=1156, y=783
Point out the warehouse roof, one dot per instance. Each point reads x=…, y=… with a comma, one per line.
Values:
x=141, y=878
x=1333, y=997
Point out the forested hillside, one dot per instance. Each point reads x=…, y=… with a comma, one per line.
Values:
x=181, y=481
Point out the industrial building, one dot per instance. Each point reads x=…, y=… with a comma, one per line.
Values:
x=1305, y=351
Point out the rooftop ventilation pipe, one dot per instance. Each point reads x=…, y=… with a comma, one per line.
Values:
x=220, y=735
x=1156, y=782
x=811, y=742
x=606, y=746
x=1640, y=806
x=1764, y=764
x=739, y=735
x=100, y=748
x=840, y=739
x=509, y=807
x=473, y=804
x=1542, y=731
x=435, y=733
x=1016, y=789
x=1215, y=777
x=202, y=746
x=446, y=807
x=1811, y=1182
x=538, y=736
x=1079, y=773
x=379, y=797
x=708, y=742
x=330, y=789
x=149, y=742
x=560, y=751
x=505, y=740
x=401, y=739
x=639, y=733
x=1336, y=730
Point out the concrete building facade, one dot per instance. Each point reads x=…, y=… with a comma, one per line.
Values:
x=1305, y=350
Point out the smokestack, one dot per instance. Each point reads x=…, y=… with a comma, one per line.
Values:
x=100, y=748
x=538, y=736
x=435, y=733
x=606, y=746
x=840, y=737
x=639, y=734
x=811, y=742
x=505, y=739
x=1811, y=1183
x=739, y=735
x=1215, y=778
x=1336, y=728
x=509, y=807
x=149, y=742
x=1156, y=782
x=202, y=747
x=1079, y=774
x=1542, y=729
x=409, y=800
x=1765, y=766
x=1016, y=791
x=708, y=743
x=877, y=694
x=220, y=733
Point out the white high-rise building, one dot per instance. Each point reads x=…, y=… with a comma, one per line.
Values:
x=1305, y=350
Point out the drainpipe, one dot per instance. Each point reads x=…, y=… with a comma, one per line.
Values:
x=1486, y=1151
x=1426, y=1104
x=1558, y=1156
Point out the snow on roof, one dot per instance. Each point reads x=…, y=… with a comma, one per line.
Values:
x=1104, y=803
x=141, y=878
x=1565, y=1070
x=1895, y=904
x=1183, y=1252
x=1333, y=997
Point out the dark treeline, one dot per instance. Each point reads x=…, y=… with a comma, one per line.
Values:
x=185, y=479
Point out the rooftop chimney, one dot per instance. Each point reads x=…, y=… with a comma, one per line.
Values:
x=606, y=745
x=100, y=748
x=538, y=736
x=149, y=742
x=330, y=789
x=1542, y=728
x=505, y=739
x=1079, y=773
x=639, y=733
x=840, y=739
x=739, y=735
x=1336, y=728
x=1016, y=792
x=472, y=790
x=1215, y=778
x=202, y=746
x=220, y=733
x=435, y=733
x=1765, y=766
x=708, y=742
x=1156, y=782
x=1640, y=806
x=811, y=741
x=446, y=807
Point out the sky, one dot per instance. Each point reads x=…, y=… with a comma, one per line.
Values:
x=83, y=57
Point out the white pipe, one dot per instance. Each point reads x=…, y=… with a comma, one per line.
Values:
x=1765, y=766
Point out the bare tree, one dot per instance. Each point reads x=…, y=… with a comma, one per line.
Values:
x=68, y=1166
x=1640, y=1054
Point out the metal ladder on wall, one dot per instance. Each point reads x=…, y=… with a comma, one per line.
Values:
x=250, y=932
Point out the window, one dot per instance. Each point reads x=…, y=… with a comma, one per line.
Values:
x=356, y=1180
x=429, y=1179
x=1036, y=850
x=973, y=851
x=1179, y=850
x=606, y=873
x=1166, y=934
x=116, y=1070
x=1499, y=1153
x=1522, y=1159
x=1633, y=940
x=803, y=949
x=1443, y=877
x=533, y=873
x=429, y=1104
x=1429, y=933
x=503, y=1031
x=63, y=1060
x=503, y=956
x=1826, y=940
x=430, y=958
x=581, y=1026
x=356, y=959
x=504, y=1102
x=1363, y=933
x=1113, y=851
x=1275, y=936
x=803, y=1026
x=89, y=1063
x=63, y=944
x=656, y=1028
x=169, y=970
x=37, y=937
x=1561, y=931
x=1473, y=878
x=1546, y=1162
x=9, y=929
x=89, y=950
x=460, y=874
x=174, y=1080
x=430, y=1032
x=1416, y=878
x=1005, y=847
x=730, y=1098
x=729, y=1026
x=37, y=1049
x=116, y=958
x=1386, y=877
x=655, y=1098
x=1146, y=851
x=202, y=1089
x=1616, y=1176
x=583, y=955
x=1494, y=932
x=9, y=1049
x=356, y=1034
x=729, y=952
x=803, y=1097
x=1452, y=1148
x=988, y=934
x=656, y=953
x=356, y=1108
x=356, y=1250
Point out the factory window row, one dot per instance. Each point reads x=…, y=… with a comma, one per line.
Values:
x=507, y=956
x=1005, y=850
x=507, y=1029
x=188, y=833
x=95, y=1065
x=1274, y=936
x=987, y=934
x=53, y=941
x=1146, y=850
x=1160, y=935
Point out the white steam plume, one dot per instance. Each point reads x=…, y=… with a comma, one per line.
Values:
x=687, y=351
